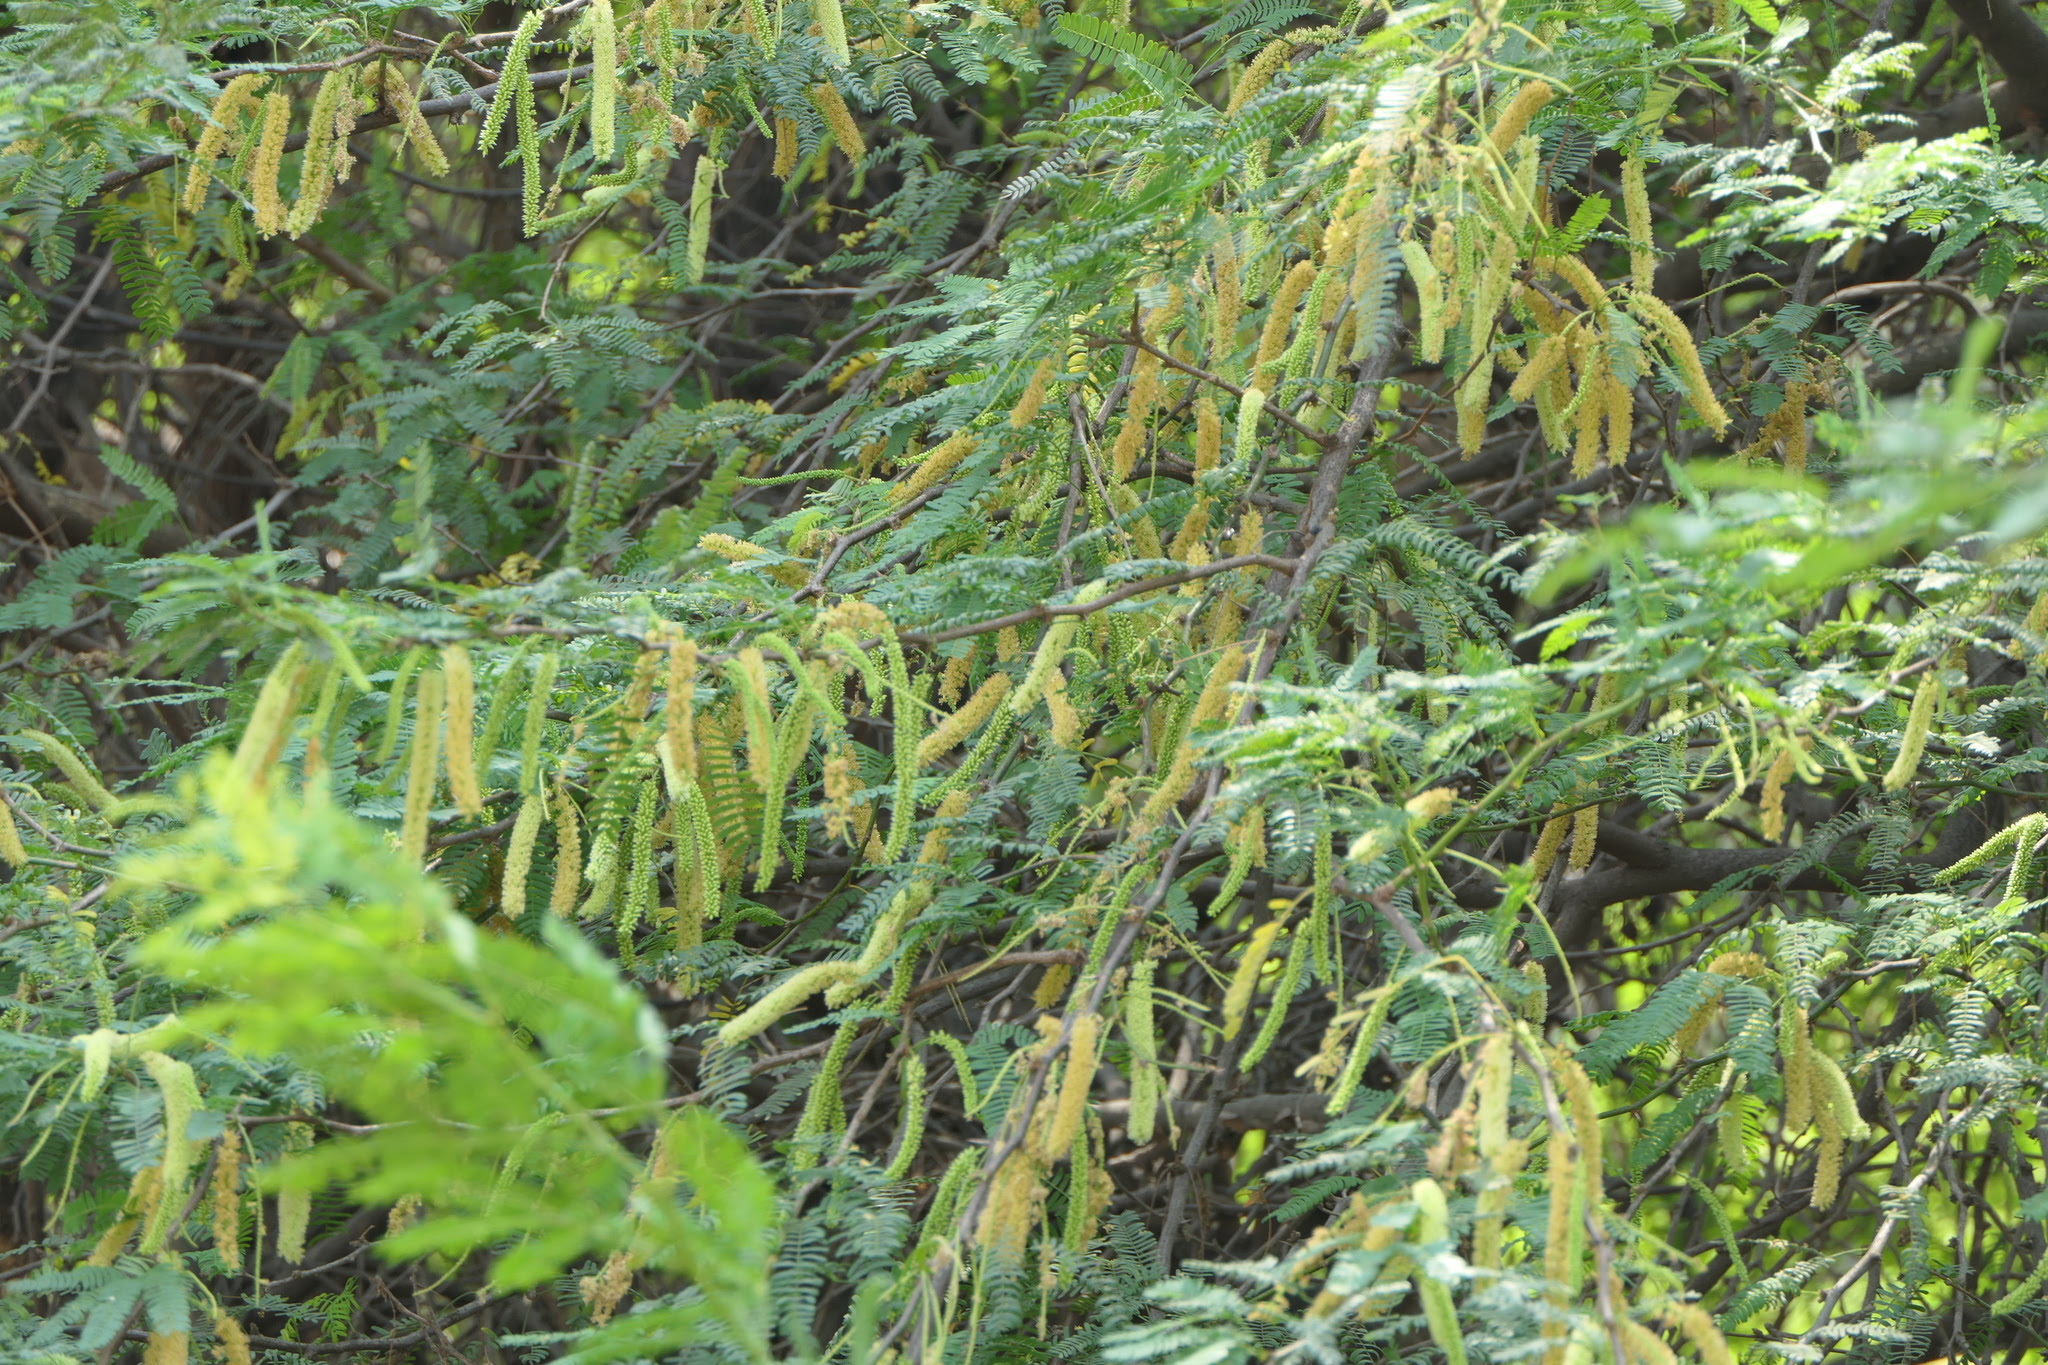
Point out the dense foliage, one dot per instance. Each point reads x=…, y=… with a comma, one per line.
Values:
x=930, y=682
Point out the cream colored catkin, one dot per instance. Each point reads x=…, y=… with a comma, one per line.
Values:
x=75, y=770
x=1429, y=300
x=421, y=773
x=268, y=164
x=1229, y=306
x=955, y=729
x=1013, y=1202
x=1586, y=1119
x=1771, y=804
x=166, y=1348
x=1591, y=406
x=536, y=721
x=735, y=551
x=1620, y=411
x=953, y=681
x=460, y=741
x=1258, y=74
x=1503, y=1155
x=1052, y=987
x=511, y=78
x=838, y=118
x=832, y=31
x=1561, y=1247
x=1543, y=362
x=1130, y=437
x=12, y=852
x=604, y=80
x=263, y=734
x=1209, y=706
x=1209, y=436
x=794, y=989
x=698, y=248
x=1067, y=724
x=346, y=110
x=519, y=856
x=316, y=176
x=1795, y=1050
x=417, y=133
x=1033, y=398
x=179, y=1091
x=679, y=715
x=1584, y=281
x=1052, y=648
x=294, y=1203
x=1188, y=546
x=568, y=856
x=1249, y=408
x=1642, y=245
x=1306, y=937
x=144, y=1193
x=912, y=1106
x=1642, y=1346
x=227, y=1199
x=236, y=96
x=1698, y=1327
x=1362, y=1048
x=1679, y=344
x=1833, y=1093
x=1514, y=120
x=1475, y=393
x=1585, y=838
x=939, y=462
x=1075, y=1084
x=234, y=1342
x=1913, y=741
x=1142, y=1035
x=1237, y=997
x=1441, y=1312
x=788, y=144
x=1280, y=318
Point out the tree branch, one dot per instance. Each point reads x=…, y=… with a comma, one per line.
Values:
x=2011, y=38
x=1652, y=867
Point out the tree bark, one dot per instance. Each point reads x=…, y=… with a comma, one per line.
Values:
x=2011, y=38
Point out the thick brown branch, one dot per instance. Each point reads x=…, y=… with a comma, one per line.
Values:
x=1651, y=867
x=2023, y=329
x=2010, y=37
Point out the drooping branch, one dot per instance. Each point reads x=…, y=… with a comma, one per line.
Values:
x=1652, y=867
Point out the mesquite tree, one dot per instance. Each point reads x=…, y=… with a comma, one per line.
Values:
x=724, y=681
